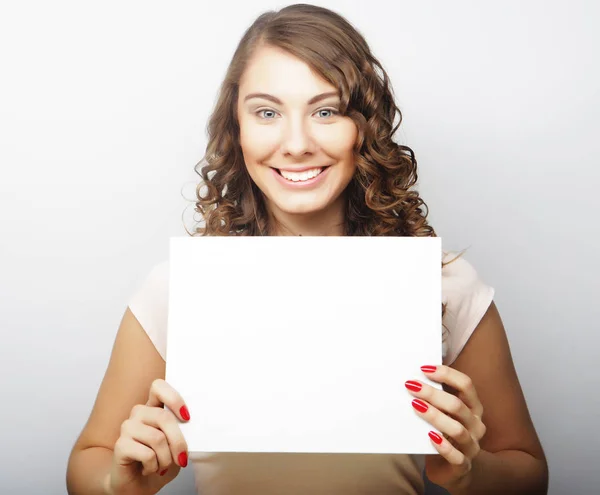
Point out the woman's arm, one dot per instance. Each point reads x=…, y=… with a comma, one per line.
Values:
x=134, y=365
x=511, y=459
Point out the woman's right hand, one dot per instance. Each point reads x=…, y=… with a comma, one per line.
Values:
x=151, y=449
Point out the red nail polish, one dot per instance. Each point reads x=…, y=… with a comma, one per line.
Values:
x=428, y=369
x=412, y=385
x=185, y=414
x=435, y=437
x=183, y=459
x=162, y=473
x=420, y=406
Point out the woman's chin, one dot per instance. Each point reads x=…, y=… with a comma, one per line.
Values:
x=298, y=207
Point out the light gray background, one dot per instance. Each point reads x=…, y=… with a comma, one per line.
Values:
x=103, y=108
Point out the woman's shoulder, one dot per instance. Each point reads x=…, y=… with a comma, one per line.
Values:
x=457, y=272
x=467, y=297
x=150, y=305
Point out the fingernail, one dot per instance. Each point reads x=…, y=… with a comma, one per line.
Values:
x=182, y=459
x=412, y=385
x=185, y=414
x=420, y=406
x=428, y=369
x=162, y=473
x=435, y=437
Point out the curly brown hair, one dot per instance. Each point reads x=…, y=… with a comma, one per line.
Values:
x=379, y=199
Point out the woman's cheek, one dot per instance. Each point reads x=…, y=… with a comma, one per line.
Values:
x=339, y=138
x=259, y=142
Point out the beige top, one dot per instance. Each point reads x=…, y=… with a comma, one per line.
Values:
x=467, y=298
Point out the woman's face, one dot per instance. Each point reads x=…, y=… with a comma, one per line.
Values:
x=297, y=149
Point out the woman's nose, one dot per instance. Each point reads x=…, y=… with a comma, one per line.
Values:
x=297, y=139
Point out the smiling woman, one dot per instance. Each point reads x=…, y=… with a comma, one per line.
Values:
x=301, y=143
x=303, y=93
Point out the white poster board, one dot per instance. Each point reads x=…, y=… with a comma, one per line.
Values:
x=303, y=344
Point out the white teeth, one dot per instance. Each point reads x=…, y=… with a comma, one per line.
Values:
x=301, y=176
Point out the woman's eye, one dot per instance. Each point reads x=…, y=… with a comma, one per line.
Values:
x=264, y=112
x=261, y=112
x=333, y=111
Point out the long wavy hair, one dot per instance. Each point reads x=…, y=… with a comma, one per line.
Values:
x=379, y=199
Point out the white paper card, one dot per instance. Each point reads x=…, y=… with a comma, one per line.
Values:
x=303, y=344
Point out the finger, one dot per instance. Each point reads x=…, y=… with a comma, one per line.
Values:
x=460, y=462
x=445, y=424
x=448, y=403
x=127, y=450
x=460, y=382
x=165, y=421
x=150, y=437
x=162, y=393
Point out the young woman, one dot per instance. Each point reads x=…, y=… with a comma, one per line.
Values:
x=300, y=143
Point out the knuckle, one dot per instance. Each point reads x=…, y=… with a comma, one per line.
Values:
x=482, y=430
x=460, y=459
x=119, y=447
x=176, y=439
x=462, y=434
x=156, y=383
x=467, y=384
x=455, y=405
x=158, y=438
x=126, y=427
x=136, y=411
x=148, y=458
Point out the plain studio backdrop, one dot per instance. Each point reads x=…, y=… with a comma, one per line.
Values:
x=103, y=109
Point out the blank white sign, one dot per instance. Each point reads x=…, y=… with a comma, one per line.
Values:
x=303, y=344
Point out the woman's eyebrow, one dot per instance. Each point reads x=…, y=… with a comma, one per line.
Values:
x=274, y=99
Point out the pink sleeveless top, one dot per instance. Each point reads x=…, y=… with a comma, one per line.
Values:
x=467, y=298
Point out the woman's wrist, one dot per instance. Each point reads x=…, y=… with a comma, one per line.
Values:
x=508, y=471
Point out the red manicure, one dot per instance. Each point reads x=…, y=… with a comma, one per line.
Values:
x=428, y=369
x=420, y=406
x=162, y=473
x=182, y=459
x=412, y=385
x=435, y=437
x=185, y=414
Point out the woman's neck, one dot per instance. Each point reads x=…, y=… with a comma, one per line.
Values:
x=328, y=222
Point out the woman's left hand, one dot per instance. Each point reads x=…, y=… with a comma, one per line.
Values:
x=458, y=417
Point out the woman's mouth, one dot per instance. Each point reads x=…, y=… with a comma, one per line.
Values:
x=304, y=179
x=301, y=176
